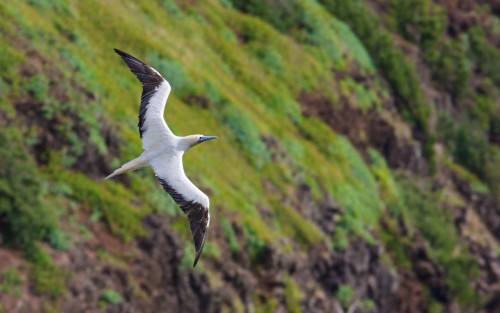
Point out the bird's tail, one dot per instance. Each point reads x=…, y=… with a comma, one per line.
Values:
x=129, y=166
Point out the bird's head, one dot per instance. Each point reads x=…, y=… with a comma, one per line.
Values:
x=194, y=140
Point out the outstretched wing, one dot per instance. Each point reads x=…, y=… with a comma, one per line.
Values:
x=155, y=90
x=193, y=202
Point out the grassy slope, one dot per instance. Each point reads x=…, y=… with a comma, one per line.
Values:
x=247, y=72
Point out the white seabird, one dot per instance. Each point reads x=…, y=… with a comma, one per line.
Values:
x=163, y=150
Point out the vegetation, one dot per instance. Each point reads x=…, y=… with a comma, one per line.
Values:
x=293, y=296
x=346, y=296
x=47, y=278
x=437, y=228
x=240, y=70
x=109, y=296
x=11, y=282
x=227, y=228
x=392, y=63
x=25, y=218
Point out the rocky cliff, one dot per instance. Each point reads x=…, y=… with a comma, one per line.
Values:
x=357, y=169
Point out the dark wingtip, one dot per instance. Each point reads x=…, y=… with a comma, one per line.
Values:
x=198, y=254
x=122, y=54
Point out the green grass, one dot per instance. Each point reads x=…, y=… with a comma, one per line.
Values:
x=109, y=296
x=48, y=279
x=111, y=201
x=427, y=214
x=227, y=228
x=256, y=246
x=245, y=133
x=266, y=305
x=391, y=62
x=345, y=295
x=26, y=217
x=237, y=72
x=11, y=282
x=293, y=295
x=465, y=175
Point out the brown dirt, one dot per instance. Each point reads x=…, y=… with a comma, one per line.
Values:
x=364, y=130
x=148, y=276
x=51, y=132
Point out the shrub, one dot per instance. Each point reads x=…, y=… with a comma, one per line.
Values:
x=264, y=303
x=47, y=278
x=10, y=58
x=109, y=296
x=492, y=176
x=437, y=227
x=484, y=113
x=256, y=246
x=111, y=201
x=283, y=15
x=434, y=222
x=59, y=6
x=87, y=75
x=11, y=282
x=5, y=104
x=284, y=106
x=460, y=271
x=365, y=98
x=175, y=73
x=476, y=184
x=227, y=3
x=212, y=92
x=388, y=187
x=59, y=240
x=230, y=235
x=271, y=58
x=246, y=134
x=450, y=67
x=23, y=217
x=353, y=44
x=390, y=61
x=471, y=149
x=188, y=255
x=293, y=295
x=485, y=55
x=368, y=305
x=295, y=225
x=91, y=118
x=419, y=21
x=38, y=87
x=345, y=294
x=172, y=8
x=316, y=32
x=212, y=250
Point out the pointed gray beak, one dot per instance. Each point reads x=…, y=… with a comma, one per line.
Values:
x=206, y=138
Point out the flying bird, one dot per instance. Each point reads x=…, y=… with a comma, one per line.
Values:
x=163, y=150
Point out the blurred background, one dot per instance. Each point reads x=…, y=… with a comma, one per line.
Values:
x=357, y=170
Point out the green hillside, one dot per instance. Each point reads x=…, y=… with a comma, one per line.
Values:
x=356, y=170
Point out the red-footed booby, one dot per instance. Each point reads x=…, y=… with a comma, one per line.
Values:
x=163, y=150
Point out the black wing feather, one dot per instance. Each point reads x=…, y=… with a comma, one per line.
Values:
x=197, y=214
x=150, y=80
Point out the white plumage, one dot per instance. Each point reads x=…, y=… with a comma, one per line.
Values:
x=163, y=150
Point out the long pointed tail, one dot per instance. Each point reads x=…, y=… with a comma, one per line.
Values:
x=129, y=166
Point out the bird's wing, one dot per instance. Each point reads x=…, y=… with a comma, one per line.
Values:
x=155, y=90
x=192, y=200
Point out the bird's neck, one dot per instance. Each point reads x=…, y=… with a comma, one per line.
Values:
x=186, y=143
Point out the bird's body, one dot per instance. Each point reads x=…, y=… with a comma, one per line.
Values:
x=163, y=150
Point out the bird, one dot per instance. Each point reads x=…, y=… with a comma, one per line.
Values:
x=163, y=151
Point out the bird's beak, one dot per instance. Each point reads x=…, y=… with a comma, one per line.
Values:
x=206, y=138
